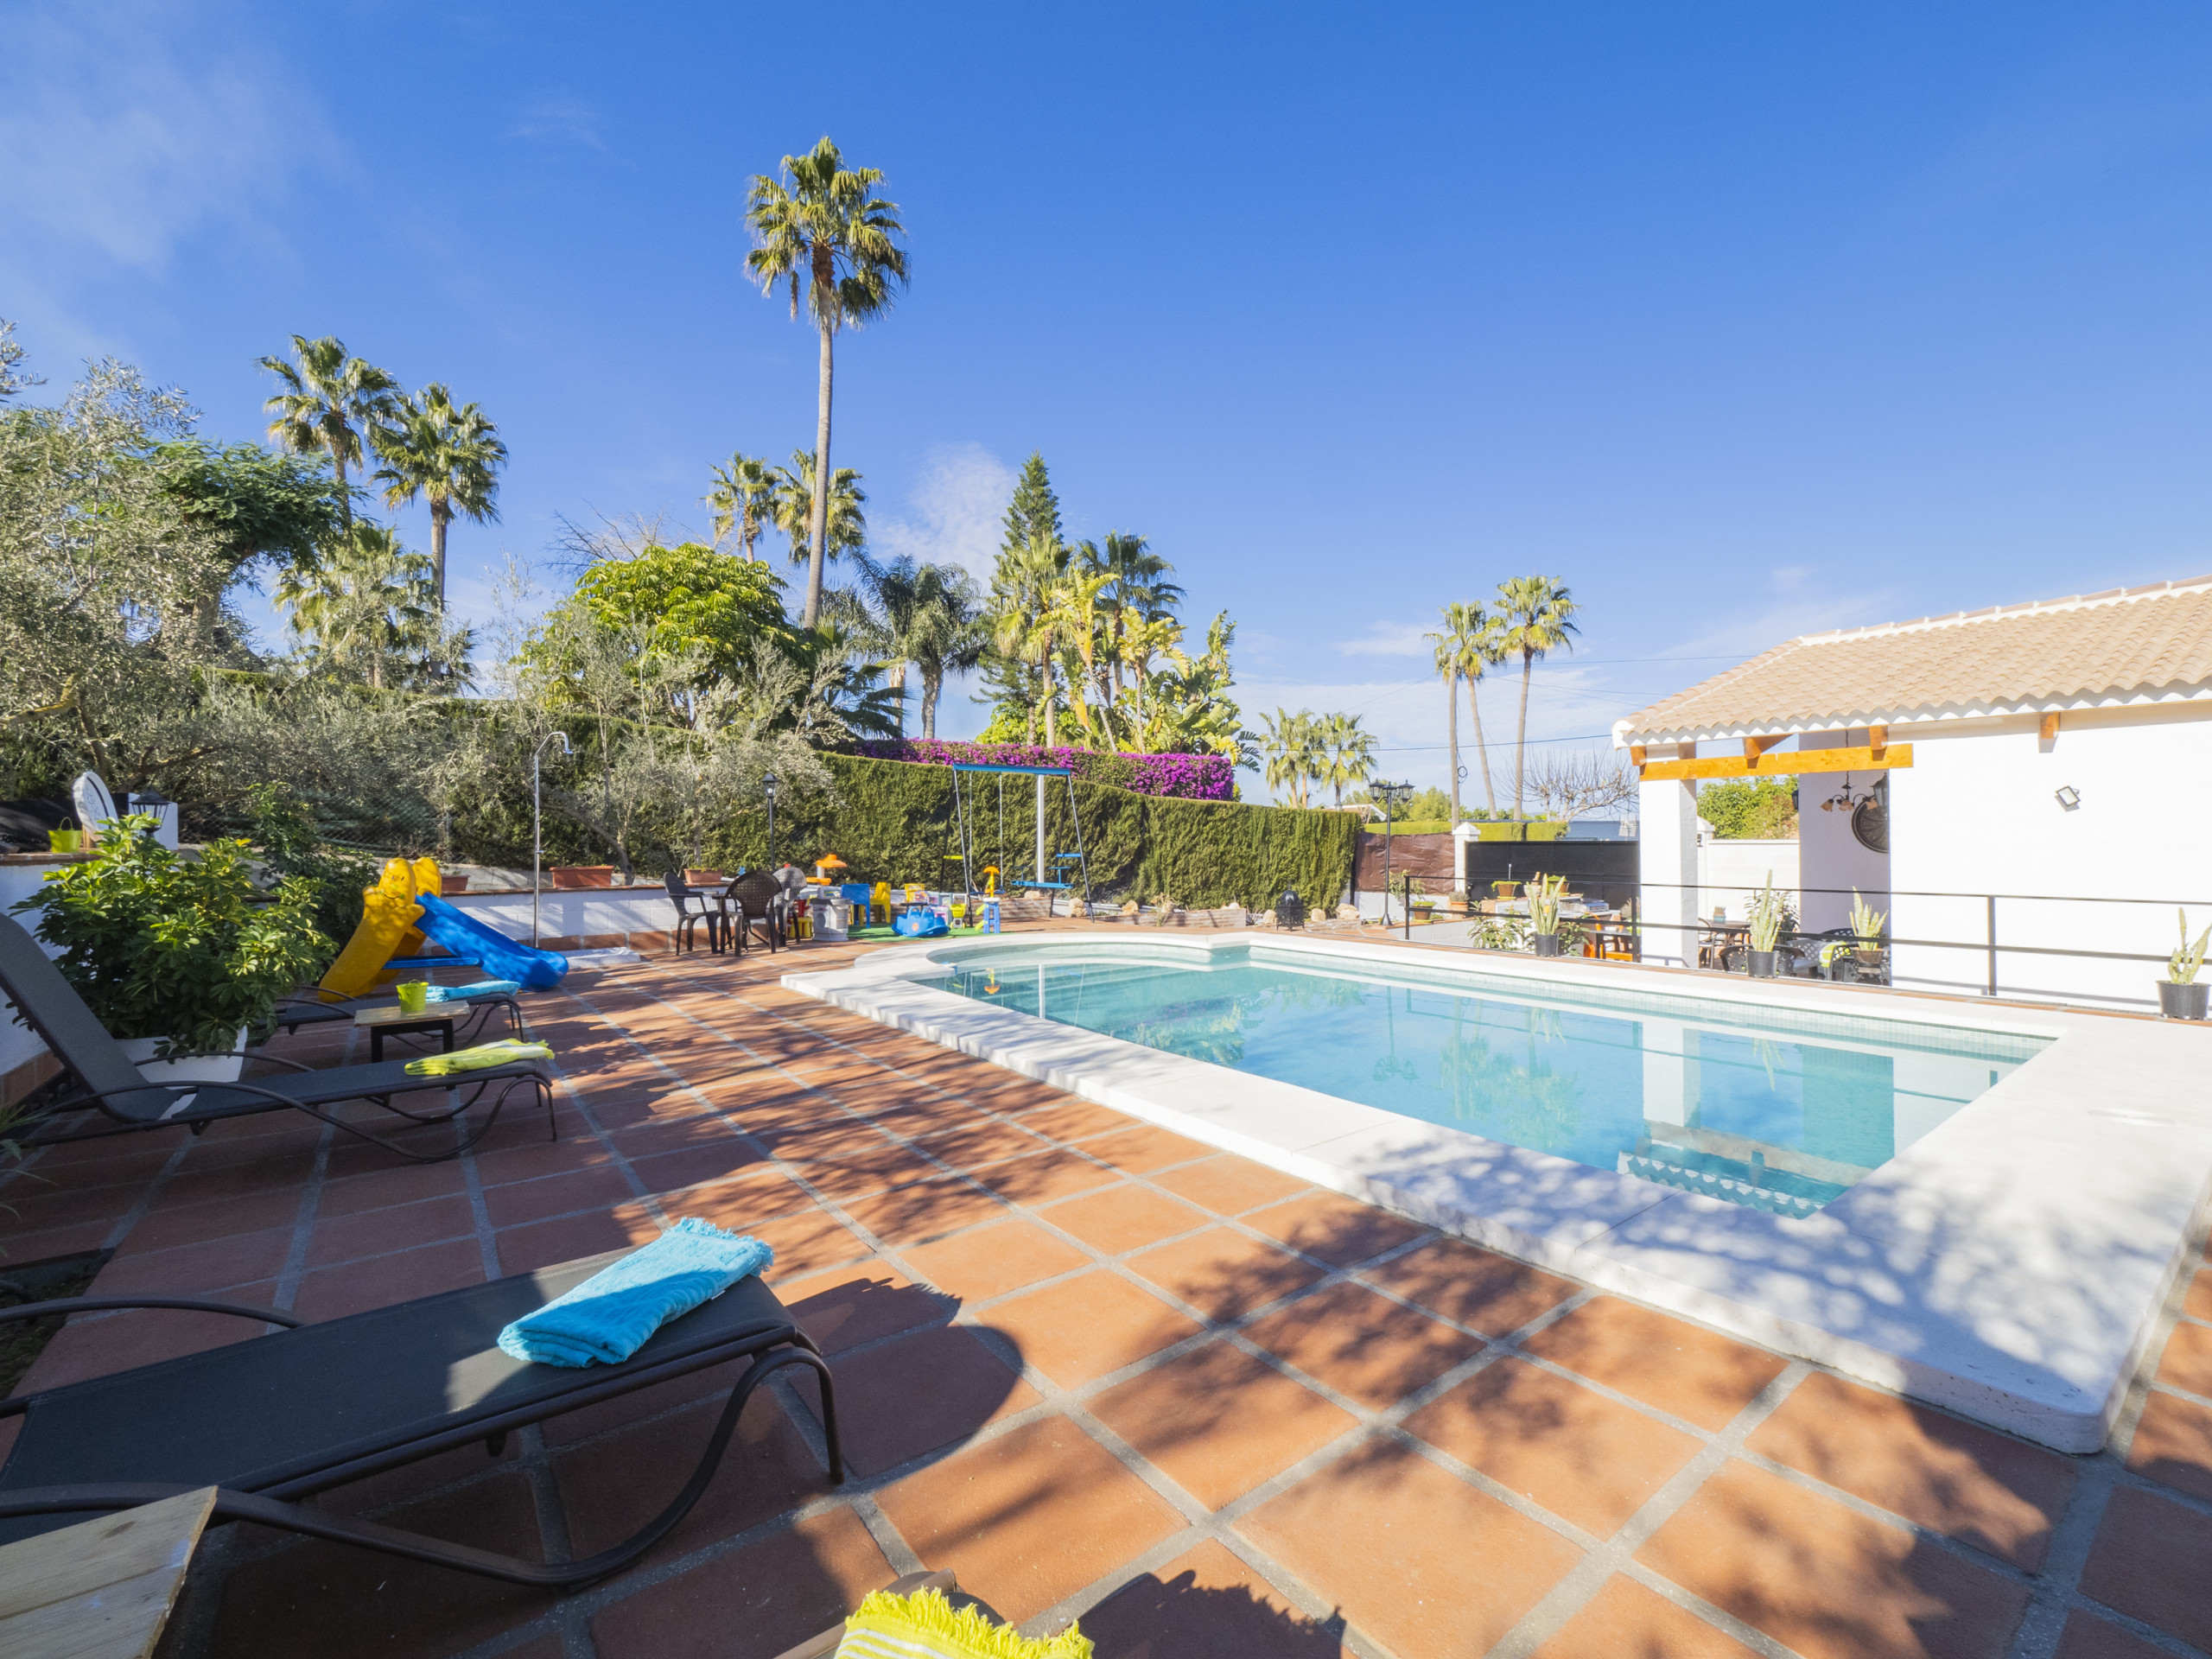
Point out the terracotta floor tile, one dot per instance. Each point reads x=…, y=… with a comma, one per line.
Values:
x=2087, y=1637
x=1124, y=1218
x=1207, y=1602
x=992, y=1261
x=48, y=1242
x=517, y=1202
x=833, y=1137
x=2188, y=1360
x=1361, y=1344
x=534, y=1157
x=378, y=1232
x=2197, y=1303
x=89, y=1346
x=927, y=1210
x=920, y=1393
x=803, y=1243
x=337, y=1600
x=196, y=1270
x=357, y=1286
x=736, y=1201
x=1148, y=1148
x=778, y=1592
x=709, y=1160
x=247, y=1212
x=1827, y=1581
x=380, y=1189
x=846, y=1307
x=2150, y=1561
x=1417, y=1559
x=1624, y=1620
x=1477, y=1288
x=1065, y=1118
x=1082, y=1328
x=1229, y=1186
x=2173, y=1445
x=1223, y=1273
x=1028, y=1518
x=1044, y=1176
x=985, y=1140
x=863, y=1174
x=1586, y=1459
x=570, y=1238
x=1218, y=1421
x=1333, y=1228
x=1698, y=1376
x=1967, y=1483
x=612, y=1484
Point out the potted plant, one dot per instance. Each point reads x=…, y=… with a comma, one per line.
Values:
x=1765, y=917
x=1543, y=913
x=572, y=877
x=2180, y=997
x=178, y=957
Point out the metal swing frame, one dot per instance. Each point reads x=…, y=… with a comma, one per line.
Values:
x=964, y=802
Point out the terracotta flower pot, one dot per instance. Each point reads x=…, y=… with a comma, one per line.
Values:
x=703, y=877
x=450, y=884
x=581, y=875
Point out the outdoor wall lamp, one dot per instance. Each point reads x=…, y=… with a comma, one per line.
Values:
x=2069, y=796
x=537, y=821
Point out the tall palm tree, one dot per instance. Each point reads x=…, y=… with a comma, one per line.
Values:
x=450, y=455
x=326, y=402
x=364, y=610
x=820, y=227
x=1289, y=743
x=947, y=633
x=1347, y=752
x=1467, y=648
x=743, y=499
x=793, y=505
x=1535, y=615
x=1021, y=590
x=1137, y=587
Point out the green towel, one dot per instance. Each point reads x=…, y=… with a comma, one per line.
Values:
x=925, y=1625
x=504, y=1052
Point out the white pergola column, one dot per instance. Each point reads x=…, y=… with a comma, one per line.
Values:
x=1667, y=844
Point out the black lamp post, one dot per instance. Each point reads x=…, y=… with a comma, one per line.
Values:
x=768, y=783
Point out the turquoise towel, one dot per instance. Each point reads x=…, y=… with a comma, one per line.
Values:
x=610, y=1316
x=480, y=988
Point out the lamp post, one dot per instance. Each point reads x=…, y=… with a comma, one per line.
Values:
x=537, y=822
x=1392, y=794
x=768, y=785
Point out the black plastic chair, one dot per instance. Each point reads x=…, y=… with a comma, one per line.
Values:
x=758, y=904
x=119, y=1100
x=278, y=1418
x=687, y=919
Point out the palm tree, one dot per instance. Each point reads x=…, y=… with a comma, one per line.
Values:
x=743, y=499
x=329, y=401
x=450, y=455
x=1289, y=743
x=1467, y=647
x=947, y=632
x=1347, y=752
x=365, y=609
x=792, y=508
x=1535, y=615
x=1021, y=591
x=1136, y=585
x=820, y=227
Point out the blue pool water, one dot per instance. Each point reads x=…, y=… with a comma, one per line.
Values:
x=1780, y=1113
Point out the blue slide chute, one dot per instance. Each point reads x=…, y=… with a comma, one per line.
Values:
x=503, y=957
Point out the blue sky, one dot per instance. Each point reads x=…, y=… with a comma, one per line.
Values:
x=1743, y=320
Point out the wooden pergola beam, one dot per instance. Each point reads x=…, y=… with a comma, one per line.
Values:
x=1890, y=757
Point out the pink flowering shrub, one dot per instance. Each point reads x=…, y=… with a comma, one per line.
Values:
x=1187, y=777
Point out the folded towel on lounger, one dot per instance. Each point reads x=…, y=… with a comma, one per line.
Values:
x=504, y=1052
x=926, y=1625
x=609, y=1317
x=480, y=988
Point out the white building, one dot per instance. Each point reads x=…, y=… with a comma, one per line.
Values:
x=1993, y=780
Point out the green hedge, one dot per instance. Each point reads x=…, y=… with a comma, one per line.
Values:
x=894, y=822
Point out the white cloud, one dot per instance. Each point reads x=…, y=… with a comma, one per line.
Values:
x=1389, y=640
x=118, y=135
x=955, y=513
x=560, y=117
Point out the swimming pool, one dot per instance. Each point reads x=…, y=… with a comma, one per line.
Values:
x=1752, y=1107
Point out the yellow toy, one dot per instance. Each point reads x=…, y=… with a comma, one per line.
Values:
x=990, y=881
x=879, y=904
x=388, y=914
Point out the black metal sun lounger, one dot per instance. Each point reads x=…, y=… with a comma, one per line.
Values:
x=278, y=1418
x=296, y=1012
x=108, y=1085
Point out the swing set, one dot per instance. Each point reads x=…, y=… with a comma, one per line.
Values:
x=967, y=807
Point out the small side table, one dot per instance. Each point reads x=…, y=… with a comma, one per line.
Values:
x=394, y=1020
x=103, y=1588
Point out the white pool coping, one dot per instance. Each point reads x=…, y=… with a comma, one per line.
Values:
x=2010, y=1266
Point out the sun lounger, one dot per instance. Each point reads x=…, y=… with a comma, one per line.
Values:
x=274, y=1420
x=115, y=1097
x=293, y=1014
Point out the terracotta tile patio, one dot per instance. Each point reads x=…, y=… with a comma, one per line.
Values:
x=1101, y=1370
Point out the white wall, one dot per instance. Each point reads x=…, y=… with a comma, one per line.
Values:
x=1975, y=813
x=1830, y=856
x=1667, y=858
x=1730, y=872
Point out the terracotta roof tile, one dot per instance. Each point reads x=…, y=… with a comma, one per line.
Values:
x=2122, y=645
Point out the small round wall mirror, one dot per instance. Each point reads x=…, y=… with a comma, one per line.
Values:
x=1870, y=822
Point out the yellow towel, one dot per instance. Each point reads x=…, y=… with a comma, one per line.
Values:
x=503, y=1052
x=925, y=1625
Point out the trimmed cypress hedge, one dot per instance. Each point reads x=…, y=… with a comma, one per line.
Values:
x=894, y=822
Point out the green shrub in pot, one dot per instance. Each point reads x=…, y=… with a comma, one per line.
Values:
x=180, y=948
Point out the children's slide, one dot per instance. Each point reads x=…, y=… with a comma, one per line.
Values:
x=388, y=914
x=501, y=956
